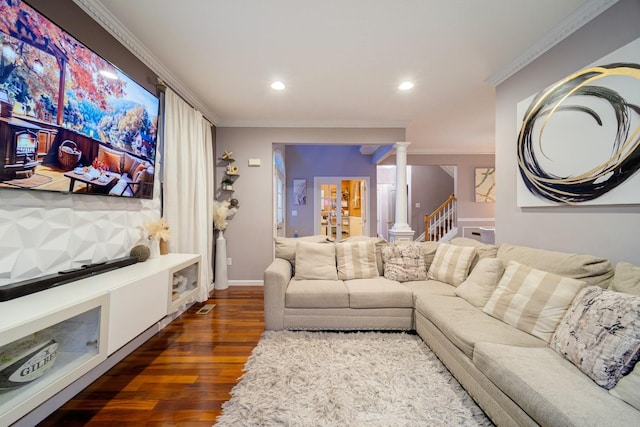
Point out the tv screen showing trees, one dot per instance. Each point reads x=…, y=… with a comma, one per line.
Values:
x=70, y=121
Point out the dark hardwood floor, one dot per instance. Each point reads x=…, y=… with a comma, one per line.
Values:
x=181, y=376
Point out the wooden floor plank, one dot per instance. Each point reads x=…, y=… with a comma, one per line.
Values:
x=181, y=376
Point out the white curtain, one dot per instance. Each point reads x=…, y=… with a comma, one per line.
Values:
x=188, y=184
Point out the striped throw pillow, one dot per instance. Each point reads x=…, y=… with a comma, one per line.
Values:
x=451, y=263
x=532, y=300
x=356, y=260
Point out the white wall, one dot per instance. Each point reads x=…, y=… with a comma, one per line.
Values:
x=608, y=231
x=250, y=233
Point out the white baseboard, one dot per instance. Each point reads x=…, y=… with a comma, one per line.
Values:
x=476, y=220
x=246, y=282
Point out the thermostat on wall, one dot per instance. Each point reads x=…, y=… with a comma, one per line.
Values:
x=254, y=162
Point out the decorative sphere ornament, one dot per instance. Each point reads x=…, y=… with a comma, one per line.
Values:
x=142, y=252
x=233, y=203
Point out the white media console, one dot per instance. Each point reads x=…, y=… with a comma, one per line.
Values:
x=96, y=322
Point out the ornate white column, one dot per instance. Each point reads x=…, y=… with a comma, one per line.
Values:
x=401, y=229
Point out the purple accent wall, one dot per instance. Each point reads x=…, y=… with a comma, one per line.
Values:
x=309, y=161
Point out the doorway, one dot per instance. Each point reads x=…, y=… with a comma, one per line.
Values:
x=341, y=206
x=279, y=192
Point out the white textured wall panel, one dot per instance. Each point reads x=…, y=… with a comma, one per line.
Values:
x=43, y=233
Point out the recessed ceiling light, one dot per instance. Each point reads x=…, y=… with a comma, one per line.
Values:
x=405, y=86
x=278, y=85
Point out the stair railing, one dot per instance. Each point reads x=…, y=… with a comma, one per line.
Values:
x=441, y=221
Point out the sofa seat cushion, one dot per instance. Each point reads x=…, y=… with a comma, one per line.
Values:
x=549, y=388
x=465, y=325
x=378, y=293
x=316, y=294
x=425, y=288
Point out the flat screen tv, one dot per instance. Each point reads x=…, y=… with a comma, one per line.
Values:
x=70, y=121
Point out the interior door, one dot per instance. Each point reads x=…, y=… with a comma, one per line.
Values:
x=329, y=217
x=341, y=206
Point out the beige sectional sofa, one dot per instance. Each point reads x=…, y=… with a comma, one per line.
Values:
x=478, y=307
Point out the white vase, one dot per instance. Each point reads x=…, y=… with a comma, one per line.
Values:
x=154, y=248
x=221, y=280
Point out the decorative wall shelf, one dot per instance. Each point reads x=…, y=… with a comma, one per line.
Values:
x=230, y=171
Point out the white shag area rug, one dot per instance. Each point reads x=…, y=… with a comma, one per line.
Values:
x=347, y=379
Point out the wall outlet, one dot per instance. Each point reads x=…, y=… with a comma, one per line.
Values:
x=229, y=261
x=417, y=205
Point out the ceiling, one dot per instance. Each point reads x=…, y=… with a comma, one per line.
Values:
x=342, y=60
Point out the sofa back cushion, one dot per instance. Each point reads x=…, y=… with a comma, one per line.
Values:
x=532, y=300
x=356, y=260
x=626, y=278
x=285, y=247
x=315, y=261
x=451, y=263
x=483, y=250
x=591, y=269
x=428, y=251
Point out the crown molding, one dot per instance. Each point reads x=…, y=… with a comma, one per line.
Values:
x=313, y=124
x=96, y=10
x=455, y=151
x=568, y=26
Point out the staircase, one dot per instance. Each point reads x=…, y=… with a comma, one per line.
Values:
x=442, y=223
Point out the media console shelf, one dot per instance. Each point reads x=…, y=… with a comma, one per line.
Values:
x=91, y=319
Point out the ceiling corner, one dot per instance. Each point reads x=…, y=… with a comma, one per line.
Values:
x=572, y=23
x=96, y=10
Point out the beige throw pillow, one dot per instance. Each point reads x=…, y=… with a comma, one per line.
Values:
x=285, y=247
x=532, y=300
x=451, y=263
x=315, y=261
x=356, y=260
x=482, y=281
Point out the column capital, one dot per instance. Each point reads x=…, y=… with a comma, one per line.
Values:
x=401, y=144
